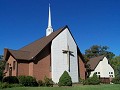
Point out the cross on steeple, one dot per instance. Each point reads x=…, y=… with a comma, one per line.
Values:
x=68, y=52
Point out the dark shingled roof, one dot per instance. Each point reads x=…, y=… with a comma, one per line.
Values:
x=31, y=50
x=23, y=55
x=93, y=62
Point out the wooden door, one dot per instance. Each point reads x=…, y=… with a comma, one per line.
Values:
x=10, y=71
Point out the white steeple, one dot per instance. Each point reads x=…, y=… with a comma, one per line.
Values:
x=49, y=29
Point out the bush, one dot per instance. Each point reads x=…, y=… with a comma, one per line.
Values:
x=27, y=81
x=92, y=80
x=11, y=80
x=116, y=80
x=40, y=83
x=85, y=82
x=65, y=80
x=48, y=82
x=5, y=85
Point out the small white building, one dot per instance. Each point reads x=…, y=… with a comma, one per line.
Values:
x=101, y=67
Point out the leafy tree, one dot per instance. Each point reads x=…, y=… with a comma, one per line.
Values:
x=2, y=67
x=115, y=63
x=97, y=50
x=1, y=57
x=65, y=79
x=116, y=80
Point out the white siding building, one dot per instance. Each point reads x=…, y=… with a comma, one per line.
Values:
x=59, y=59
x=101, y=67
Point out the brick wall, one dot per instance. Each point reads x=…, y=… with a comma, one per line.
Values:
x=41, y=67
x=23, y=68
x=10, y=62
x=82, y=68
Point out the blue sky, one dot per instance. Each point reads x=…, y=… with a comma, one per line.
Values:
x=92, y=22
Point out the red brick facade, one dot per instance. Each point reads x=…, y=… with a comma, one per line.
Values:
x=23, y=69
x=9, y=67
x=42, y=66
x=82, y=69
x=38, y=68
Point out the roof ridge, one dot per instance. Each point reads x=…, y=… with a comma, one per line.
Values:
x=97, y=57
x=18, y=50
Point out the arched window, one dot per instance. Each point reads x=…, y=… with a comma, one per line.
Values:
x=14, y=65
x=7, y=66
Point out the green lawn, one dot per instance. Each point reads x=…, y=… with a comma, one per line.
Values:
x=81, y=87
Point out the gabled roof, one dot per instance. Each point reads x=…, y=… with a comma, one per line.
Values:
x=31, y=50
x=93, y=62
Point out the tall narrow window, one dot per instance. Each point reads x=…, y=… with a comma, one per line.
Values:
x=7, y=66
x=13, y=65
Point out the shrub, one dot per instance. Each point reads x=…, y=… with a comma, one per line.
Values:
x=27, y=81
x=40, y=83
x=65, y=80
x=92, y=80
x=48, y=82
x=81, y=81
x=5, y=85
x=116, y=80
x=85, y=82
x=11, y=80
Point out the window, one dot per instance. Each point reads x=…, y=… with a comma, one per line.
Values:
x=13, y=65
x=7, y=66
x=99, y=76
x=98, y=72
x=110, y=75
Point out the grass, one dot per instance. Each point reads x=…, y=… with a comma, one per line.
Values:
x=81, y=87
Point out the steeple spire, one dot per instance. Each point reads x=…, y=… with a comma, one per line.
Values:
x=49, y=29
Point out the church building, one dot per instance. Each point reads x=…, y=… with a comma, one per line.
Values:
x=49, y=56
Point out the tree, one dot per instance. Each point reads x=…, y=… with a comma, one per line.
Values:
x=65, y=79
x=2, y=67
x=97, y=50
x=115, y=63
x=1, y=57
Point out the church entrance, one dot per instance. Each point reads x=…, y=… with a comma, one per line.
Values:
x=10, y=71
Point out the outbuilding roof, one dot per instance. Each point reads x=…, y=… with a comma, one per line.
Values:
x=93, y=62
